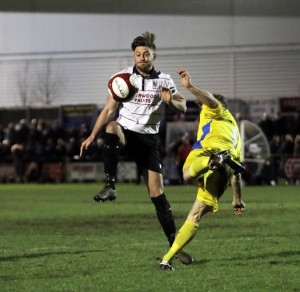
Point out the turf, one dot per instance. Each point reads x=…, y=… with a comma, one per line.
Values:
x=55, y=238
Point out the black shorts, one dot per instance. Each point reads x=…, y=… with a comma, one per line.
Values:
x=143, y=149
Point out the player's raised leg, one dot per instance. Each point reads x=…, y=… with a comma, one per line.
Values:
x=114, y=136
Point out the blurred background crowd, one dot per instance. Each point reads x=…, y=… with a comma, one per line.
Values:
x=30, y=145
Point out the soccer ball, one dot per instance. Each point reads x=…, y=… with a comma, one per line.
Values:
x=123, y=86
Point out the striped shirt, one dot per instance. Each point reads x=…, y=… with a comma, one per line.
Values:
x=143, y=113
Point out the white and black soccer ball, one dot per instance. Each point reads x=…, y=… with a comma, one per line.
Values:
x=123, y=86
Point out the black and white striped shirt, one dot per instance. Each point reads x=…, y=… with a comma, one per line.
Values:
x=143, y=113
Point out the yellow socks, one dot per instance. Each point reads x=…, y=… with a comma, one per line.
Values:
x=184, y=236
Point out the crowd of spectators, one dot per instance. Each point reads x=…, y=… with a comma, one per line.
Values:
x=283, y=135
x=28, y=145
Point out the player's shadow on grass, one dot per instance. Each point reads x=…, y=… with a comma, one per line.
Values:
x=43, y=254
x=201, y=262
x=288, y=254
x=268, y=256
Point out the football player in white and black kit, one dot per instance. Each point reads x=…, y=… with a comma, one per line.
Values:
x=135, y=131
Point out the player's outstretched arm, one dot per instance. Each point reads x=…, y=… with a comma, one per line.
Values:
x=204, y=96
x=106, y=114
x=237, y=203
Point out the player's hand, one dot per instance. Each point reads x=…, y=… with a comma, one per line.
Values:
x=85, y=144
x=165, y=94
x=184, y=78
x=239, y=207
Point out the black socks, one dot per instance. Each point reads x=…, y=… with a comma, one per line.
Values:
x=165, y=216
x=111, y=153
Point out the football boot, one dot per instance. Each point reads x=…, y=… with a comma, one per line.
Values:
x=184, y=257
x=166, y=266
x=106, y=194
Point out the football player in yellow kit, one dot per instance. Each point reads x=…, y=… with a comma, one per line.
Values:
x=213, y=163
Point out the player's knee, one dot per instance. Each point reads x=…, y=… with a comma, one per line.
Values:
x=186, y=175
x=112, y=127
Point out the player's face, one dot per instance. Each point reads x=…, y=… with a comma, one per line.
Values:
x=143, y=59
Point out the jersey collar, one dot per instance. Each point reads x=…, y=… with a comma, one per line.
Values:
x=152, y=74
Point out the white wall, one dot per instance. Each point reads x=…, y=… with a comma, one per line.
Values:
x=232, y=54
x=45, y=32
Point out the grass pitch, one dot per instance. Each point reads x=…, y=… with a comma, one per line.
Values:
x=55, y=238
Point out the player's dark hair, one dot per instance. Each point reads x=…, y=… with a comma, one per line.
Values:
x=222, y=99
x=145, y=40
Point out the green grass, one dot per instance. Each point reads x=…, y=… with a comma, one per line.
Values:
x=54, y=238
